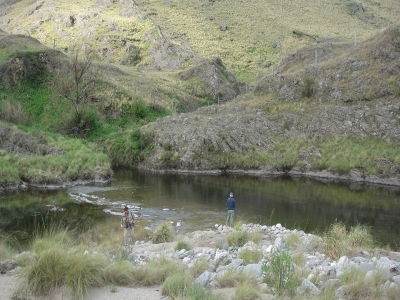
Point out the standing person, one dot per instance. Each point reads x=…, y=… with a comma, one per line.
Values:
x=128, y=224
x=230, y=205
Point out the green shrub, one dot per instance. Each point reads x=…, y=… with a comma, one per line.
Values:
x=163, y=233
x=250, y=256
x=182, y=245
x=9, y=172
x=280, y=272
x=238, y=238
x=128, y=147
x=307, y=90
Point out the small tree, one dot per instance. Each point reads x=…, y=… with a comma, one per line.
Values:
x=75, y=81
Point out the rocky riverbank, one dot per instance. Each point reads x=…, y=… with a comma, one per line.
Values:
x=317, y=273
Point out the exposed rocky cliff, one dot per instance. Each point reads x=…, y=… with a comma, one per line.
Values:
x=354, y=91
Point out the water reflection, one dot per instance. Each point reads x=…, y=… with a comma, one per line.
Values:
x=198, y=202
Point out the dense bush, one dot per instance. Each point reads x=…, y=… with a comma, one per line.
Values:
x=163, y=233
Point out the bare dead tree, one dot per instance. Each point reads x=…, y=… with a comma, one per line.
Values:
x=75, y=82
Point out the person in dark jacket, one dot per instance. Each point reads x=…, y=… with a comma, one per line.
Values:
x=230, y=205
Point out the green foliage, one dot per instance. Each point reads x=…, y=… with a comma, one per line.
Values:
x=127, y=148
x=247, y=289
x=307, y=90
x=34, y=70
x=120, y=273
x=358, y=286
x=81, y=125
x=7, y=244
x=344, y=154
x=85, y=271
x=9, y=172
x=360, y=236
x=155, y=272
x=136, y=112
x=180, y=286
x=238, y=238
x=176, y=285
x=163, y=233
x=199, y=268
x=170, y=159
x=75, y=159
x=33, y=98
x=293, y=239
x=250, y=256
x=113, y=288
x=280, y=272
x=230, y=278
x=13, y=112
x=58, y=260
x=353, y=8
x=182, y=245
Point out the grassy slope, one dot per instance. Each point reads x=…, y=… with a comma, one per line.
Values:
x=258, y=31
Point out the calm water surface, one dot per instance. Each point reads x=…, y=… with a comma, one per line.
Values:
x=198, y=202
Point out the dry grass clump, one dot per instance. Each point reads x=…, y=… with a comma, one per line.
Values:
x=248, y=289
x=339, y=241
x=58, y=260
x=359, y=286
x=293, y=239
x=180, y=286
x=238, y=238
x=7, y=244
x=199, y=268
x=120, y=273
x=155, y=272
x=250, y=256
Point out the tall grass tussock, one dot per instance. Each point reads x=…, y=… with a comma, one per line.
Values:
x=338, y=241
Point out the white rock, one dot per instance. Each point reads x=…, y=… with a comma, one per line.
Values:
x=343, y=261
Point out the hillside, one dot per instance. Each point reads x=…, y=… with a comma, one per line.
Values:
x=338, y=118
x=151, y=34
x=296, y=88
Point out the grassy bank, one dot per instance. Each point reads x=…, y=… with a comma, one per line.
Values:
x=61, y=257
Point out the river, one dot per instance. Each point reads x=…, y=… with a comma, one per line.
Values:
x=198, y=202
